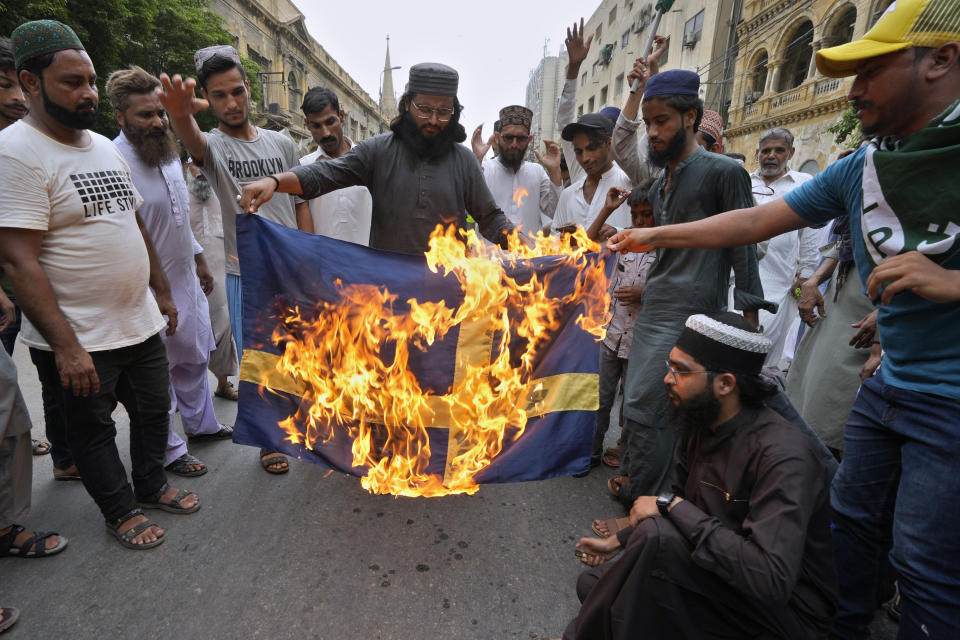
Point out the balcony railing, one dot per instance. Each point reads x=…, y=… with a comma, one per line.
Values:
x=788, y=99
x=827, y=85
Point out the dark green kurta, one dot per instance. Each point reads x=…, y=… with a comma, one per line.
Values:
x=684, y=282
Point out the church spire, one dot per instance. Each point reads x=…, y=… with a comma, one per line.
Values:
x=388, y=101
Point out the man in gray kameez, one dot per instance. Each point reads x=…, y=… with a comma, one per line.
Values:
x=418, y=174
x=683, y=282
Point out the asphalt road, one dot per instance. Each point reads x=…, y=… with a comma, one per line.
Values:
x=306, y=555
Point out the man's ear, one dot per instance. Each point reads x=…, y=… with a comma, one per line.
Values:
x=724, y=384
x=342, y=115
x=120, y=119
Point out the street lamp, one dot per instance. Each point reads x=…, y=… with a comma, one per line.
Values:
x=380, y=101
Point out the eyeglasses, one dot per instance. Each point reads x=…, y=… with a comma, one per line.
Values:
x=425, y=112
x=676, y=374
x=510, y=138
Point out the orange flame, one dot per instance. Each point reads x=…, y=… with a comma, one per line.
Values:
x=519, y=195
x=340, y=354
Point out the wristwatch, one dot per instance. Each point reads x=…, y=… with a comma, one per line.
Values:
x=663, y=502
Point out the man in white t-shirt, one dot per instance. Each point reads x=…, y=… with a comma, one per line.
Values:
x=525, y=191
x=343, y=214
x=234, y=154
x=581, y=202
x=82, y=267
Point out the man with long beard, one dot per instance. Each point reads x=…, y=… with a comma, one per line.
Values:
x=418, y=174
x=740, y=546
x=233, y=154
x=82, y=266
x=523, y=190
x=149, y=148
x=695, y=184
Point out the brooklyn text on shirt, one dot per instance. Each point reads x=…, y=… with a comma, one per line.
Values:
x=257, y=168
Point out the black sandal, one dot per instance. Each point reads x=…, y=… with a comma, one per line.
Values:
x=34, y=547
x=174, y=505
x=126, y=538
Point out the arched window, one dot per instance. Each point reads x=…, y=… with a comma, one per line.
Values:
x=294, y=92
x=758, y=76
x=811, y=167
x=840, y=28
x=797, y=53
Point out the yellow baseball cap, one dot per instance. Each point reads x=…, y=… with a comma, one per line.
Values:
x=905, y=24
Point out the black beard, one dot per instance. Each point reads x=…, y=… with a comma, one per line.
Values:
x=199, y=187
x=511, y=161
x=154, y=149
x=674, y=149
x=74, y=119
x=425, y=148
x=695, y=414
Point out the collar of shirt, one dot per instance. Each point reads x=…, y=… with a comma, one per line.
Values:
x=321, y=154
x=607, y=175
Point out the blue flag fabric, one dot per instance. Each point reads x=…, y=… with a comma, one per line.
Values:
x=282, y=267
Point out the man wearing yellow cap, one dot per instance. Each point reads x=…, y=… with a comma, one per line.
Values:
x=897, y=487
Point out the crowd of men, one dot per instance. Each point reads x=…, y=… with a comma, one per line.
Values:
x=773, y=485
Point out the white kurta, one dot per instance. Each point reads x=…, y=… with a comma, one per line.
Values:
x=343, y=214
x=573, y=207
x=781, y=259
x=507, y=187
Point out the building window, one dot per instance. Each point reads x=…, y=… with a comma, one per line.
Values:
x=840, y=29
x=810, y=167
x=618, y=85
x=666, y=53
x=583, y=80
x=625, y=39
x=797, y=54
x=596, y=67
x=295, y=95
x=590, y=105
x=758, y=77
x=879, y=9
x=579, y=111
x=693, y=29
x=598, y=33
x=603, y=96
x=628, y=6
x=613, y=15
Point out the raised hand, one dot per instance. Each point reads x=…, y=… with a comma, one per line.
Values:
x=576, y=47
x=179, y=97
x=636, y=240
x=646, y=68
x=551, y=157
x=480, y=147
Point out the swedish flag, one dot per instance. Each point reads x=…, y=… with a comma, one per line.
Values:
x=283, y=268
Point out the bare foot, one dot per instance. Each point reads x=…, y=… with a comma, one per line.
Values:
x=70, y=472
x=152, y=534
x=276, y=467
x=188, y=502
x=50, y=543
x=610, y=526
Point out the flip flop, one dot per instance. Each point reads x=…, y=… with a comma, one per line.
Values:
x=611, y=457
x=66, y=476
x=10, y=617
x=34, y=547
x=181, y=466
x=616, y=483
x=228, y=392
x=614, y=525
x=268, y=458
x=40, y=447
x=170, y=507
x=224, y=431
x=126, y=538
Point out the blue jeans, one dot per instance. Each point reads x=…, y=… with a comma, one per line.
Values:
x=235, y=309
x=137, y=376
x=898, y=488
x=611, y=371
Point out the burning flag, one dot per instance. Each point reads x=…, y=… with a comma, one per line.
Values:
x=424, y=375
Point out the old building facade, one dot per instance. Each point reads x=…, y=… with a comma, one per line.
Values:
x=273, y=34
x=777, y=82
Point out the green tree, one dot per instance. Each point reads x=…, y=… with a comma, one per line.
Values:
x=846, y=130
x=158, y=35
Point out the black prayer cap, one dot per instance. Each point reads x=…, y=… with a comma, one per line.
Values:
x=433, y=79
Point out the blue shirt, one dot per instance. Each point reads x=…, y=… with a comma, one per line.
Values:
x=920, y=338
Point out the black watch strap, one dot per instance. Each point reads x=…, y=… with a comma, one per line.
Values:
x=663, y=502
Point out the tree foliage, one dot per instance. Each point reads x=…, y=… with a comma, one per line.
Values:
x=158, y=35
x=846, y=130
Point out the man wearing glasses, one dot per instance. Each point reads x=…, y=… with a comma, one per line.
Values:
x=418, y=174
x=740, y=545
x=522, y=189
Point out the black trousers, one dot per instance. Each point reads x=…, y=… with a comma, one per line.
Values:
x=136, y=376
